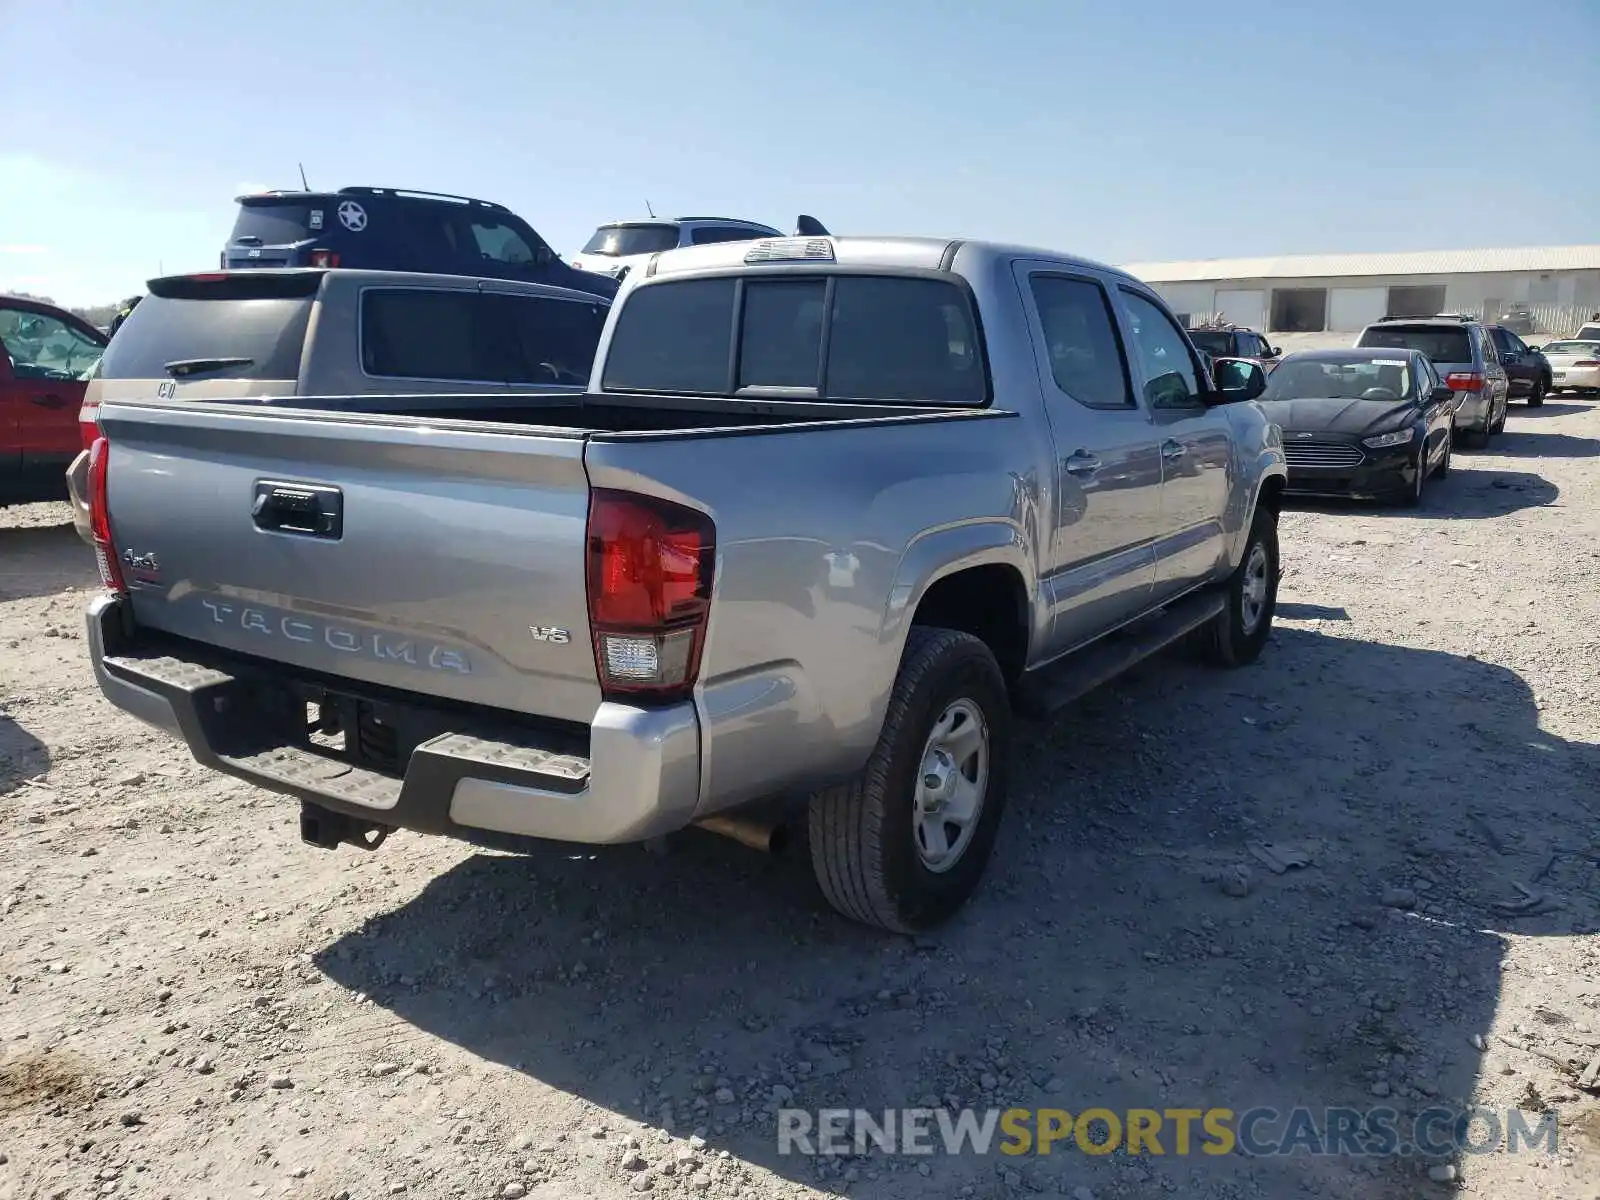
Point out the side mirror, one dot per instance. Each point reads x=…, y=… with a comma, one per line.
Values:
x=1276, y=351
x=1535, y=349
x=544, y=256
x=1440, y=394
x=1237, y=379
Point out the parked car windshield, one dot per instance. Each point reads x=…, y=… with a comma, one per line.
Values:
x=1340, y=379
x=619, y=241
x=1441, y=344
x=1212, y=341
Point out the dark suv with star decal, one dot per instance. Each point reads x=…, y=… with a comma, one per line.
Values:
x=396, y=229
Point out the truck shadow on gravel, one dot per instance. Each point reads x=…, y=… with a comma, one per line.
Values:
x=1127, y=950
x=41, y=560
x=22, y=756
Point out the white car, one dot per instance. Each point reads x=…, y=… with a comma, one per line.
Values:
x=1574, y=364
x=619, y=246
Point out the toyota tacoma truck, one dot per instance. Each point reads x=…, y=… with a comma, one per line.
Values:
x=829, y=512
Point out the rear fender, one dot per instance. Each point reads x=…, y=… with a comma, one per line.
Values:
x=939, y=553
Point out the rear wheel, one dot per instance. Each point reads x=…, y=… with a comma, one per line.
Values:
x=1235, y=636
x=1536, y=397
x=1443, y=469
x=1476, y=439
x=903, y=845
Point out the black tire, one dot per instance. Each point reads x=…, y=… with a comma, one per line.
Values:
x=1442, y=471
x=1500, y=425
x=1536, y=397
x=863, y=845
x=1227, y=641
x=1475, y=439
x=1412, y=496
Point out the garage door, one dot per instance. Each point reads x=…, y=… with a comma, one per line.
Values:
x=1350, y=310
x=1248, y=308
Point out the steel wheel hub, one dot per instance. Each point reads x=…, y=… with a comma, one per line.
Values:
x=952, y=780
x=1253, y=596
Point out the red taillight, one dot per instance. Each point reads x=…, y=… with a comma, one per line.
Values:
x=1464, y=381
x=100, y=516
x=88, y=424
x=650, y=565
x=324, y=258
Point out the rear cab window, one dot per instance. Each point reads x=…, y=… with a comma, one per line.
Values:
x=251, y=324
x=1442, y=344
x=836, y=335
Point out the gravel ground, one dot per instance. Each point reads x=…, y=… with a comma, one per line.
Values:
x=196, y=1005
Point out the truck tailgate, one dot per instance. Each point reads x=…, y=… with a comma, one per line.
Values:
x=432, y=557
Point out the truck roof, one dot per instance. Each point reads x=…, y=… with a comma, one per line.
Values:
x=925, y=253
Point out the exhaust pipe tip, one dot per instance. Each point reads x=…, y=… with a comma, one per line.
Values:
x=766, y=836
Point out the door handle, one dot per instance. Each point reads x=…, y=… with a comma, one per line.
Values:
x=50, y=401
x=1081, y=463
x=1173, y=449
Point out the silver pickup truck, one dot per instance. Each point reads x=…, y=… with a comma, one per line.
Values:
x=829, y=511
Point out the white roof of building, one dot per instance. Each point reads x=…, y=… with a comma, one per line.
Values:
x=1409, y=262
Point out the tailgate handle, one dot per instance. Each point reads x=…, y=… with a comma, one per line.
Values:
x=307, y=509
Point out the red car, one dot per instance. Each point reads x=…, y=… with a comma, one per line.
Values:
x=45, y=352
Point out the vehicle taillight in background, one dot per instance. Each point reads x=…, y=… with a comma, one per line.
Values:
x=324, y=258
x=650, y=565
x=100, y=516
x=1464, y=381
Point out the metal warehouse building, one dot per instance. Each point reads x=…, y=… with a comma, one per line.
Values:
x=1535, y=290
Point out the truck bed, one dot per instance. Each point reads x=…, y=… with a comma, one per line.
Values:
x=595, y=413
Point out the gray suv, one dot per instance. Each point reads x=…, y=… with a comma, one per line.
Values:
x=327, y=332
x=1463, y=353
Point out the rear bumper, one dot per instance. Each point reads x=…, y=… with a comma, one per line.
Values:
x=1576, y=377
x=635, y=776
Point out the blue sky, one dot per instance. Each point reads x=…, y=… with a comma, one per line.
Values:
x=1126, y=132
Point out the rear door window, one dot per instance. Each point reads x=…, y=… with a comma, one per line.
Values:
x=1081, y=339
x=434, y=335
x=555, y=339
x=1442, y=344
